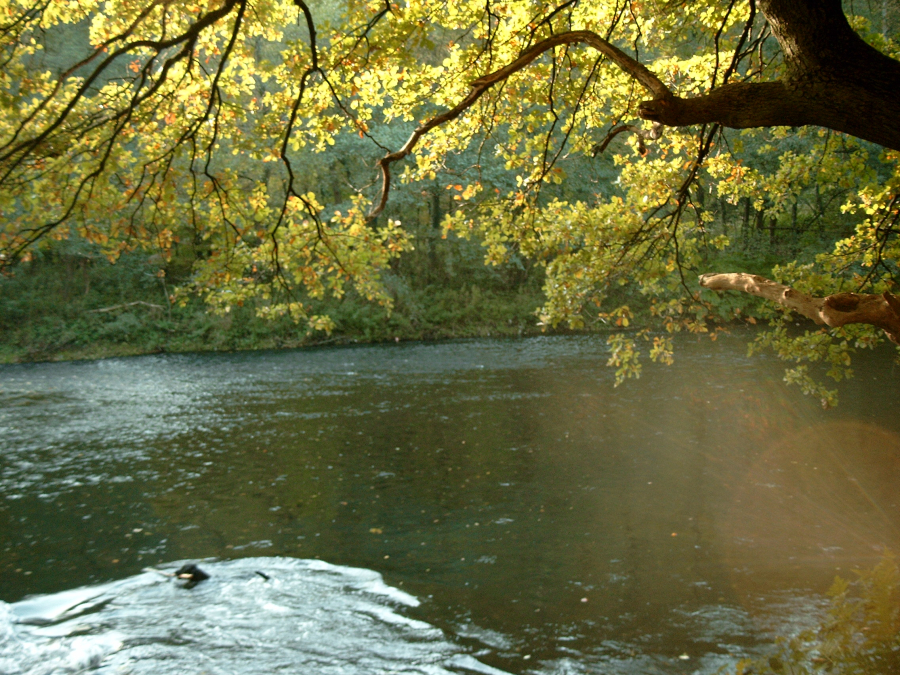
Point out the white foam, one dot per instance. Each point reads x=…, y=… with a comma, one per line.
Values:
x=468, y=662
x=309, y=616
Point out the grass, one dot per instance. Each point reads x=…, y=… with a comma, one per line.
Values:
x=73, y=306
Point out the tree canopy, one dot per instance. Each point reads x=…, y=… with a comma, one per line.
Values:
x=624, y=145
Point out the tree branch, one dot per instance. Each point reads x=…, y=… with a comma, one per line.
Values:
x=852, y=91
x=653, y=134
x=881, y=310
x=481, y=85
x=833, y=79
x=113, y=308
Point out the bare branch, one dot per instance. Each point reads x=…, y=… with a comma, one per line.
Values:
x=881, y=310
x=113, y=308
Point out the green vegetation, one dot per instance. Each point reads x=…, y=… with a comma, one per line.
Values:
x=289, y=159
x=70, y=302
x=860, y=635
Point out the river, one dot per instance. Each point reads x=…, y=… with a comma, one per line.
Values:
x=475, y=506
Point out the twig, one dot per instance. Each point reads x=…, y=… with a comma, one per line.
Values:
x=124, y=305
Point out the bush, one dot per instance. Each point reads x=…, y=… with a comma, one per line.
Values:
x=860, y=634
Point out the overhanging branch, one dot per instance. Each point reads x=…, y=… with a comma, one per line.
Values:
x=834, y=80
x=880, y=310
x=481, y=85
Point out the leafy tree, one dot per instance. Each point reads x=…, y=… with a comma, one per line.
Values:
x=607, y=139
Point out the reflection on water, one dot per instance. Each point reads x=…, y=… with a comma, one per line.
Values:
x=548, y=522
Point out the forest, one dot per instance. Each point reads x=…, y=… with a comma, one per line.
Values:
x=231, y=175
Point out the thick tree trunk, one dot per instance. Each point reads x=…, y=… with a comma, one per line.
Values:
x=834, y=79
x=835, y=310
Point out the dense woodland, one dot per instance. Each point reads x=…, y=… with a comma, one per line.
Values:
x=70, y=301
x=239, y=176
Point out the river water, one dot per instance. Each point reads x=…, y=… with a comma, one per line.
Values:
x=478, y=506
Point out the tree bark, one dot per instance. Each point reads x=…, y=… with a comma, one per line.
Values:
x=833, y=79
x=881, y=310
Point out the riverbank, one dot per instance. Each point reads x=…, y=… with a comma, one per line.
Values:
x=145, y=326
x=71, y=303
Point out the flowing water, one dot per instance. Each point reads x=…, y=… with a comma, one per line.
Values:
x=479, y=506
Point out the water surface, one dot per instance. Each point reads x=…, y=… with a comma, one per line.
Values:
x=546, y=521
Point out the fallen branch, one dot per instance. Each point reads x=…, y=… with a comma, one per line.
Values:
x=881, y=310
x=123, y=306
